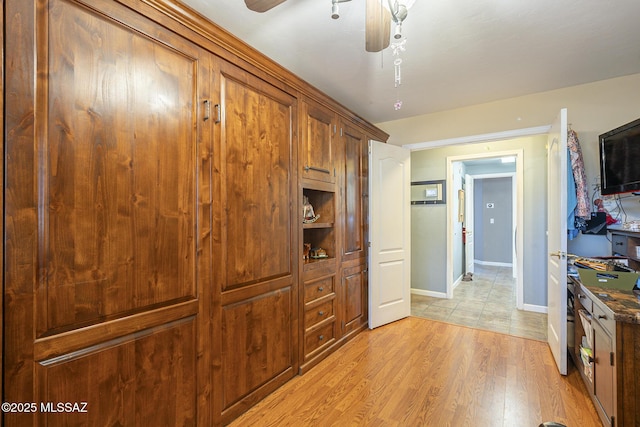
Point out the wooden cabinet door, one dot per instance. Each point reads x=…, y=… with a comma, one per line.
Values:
x=353, y=186
x=255, y=231
x=354, y=298
x=603, y=371
x=353, y=150
x=107, y=231
x=318, y=152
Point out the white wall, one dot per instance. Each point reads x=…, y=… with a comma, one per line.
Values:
x=593, y=109
x=429, y=224
x=495, y=223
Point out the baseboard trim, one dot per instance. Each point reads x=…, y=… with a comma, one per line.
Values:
x=536, y=308
x=493, y=263
x=423, y=292
x=456, y=283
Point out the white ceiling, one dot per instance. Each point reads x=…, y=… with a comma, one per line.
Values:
x=458, y=52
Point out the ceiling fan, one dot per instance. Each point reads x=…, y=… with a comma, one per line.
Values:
x=377, y=18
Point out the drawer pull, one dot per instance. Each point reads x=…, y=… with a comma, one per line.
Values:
x=602, y=317
x=320, y=288
x=321, y=313
x=320, y=337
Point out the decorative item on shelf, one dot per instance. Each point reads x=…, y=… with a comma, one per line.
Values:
x=308, y=215
x=306, y=251
x=317, y=253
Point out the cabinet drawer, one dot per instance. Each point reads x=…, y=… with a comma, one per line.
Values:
x=605, y=318
x=320, y=337
x=585, y=301
x=318, y=288
x=619, y=244
x=318, y=313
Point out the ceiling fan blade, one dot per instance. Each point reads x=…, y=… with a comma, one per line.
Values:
x=262, y=5
x=377, y=26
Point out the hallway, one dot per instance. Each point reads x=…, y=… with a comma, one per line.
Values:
x=487, y=302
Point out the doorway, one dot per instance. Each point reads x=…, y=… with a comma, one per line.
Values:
x=456, y=171
x=490, y=210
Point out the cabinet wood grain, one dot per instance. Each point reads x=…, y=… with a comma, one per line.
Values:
x=153, y=169
x=104, y=188
x=318, y=147
x=255, y=235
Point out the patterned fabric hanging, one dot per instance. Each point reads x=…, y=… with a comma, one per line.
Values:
x=583, y=207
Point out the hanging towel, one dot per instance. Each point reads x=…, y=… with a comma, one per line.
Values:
x=583, y=207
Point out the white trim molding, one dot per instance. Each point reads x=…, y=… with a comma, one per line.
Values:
x=495, y=136
x=425, y=293
x=536, y=308
x=493, y=263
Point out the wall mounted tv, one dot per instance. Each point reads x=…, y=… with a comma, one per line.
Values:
x=620, y=159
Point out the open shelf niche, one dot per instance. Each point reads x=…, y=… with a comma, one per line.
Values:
x=320, y=234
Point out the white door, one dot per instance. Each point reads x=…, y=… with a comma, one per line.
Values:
x=557, y=240
x=469, y=248
x=389, y=233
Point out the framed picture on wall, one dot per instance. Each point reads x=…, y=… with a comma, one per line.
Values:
x=428, y=192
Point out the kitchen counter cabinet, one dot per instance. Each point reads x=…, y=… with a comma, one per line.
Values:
x=615, y=381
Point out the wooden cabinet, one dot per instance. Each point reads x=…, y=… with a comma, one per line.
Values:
x=611, y=373
x=318, y=130
x=595, y=334
x=254, y=233
x=319, y=272
x=603, y=369
x=625, y=243
x=354, y=298
x=153, y=171
x=319, y=308
x=341, y=230
x=353, y=175
x=107, y=277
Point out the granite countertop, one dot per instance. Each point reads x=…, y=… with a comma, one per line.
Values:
x=624, y=304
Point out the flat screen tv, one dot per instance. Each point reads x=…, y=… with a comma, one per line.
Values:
x=620, y=159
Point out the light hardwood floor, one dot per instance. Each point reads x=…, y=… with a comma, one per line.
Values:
x=420, y=372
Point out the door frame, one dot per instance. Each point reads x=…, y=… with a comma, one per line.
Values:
x=519, y=217
x=469, y=237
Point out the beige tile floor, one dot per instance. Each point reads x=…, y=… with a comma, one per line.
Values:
x=487, y=302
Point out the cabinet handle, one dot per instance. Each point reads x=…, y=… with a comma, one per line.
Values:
x=218, y=114
x=207, y=110
x=602, y=317
x=313, y=168
x=321, y=313
x=320, y=288
x=320, y=337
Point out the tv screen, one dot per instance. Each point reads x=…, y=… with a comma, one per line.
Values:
x=620, y=159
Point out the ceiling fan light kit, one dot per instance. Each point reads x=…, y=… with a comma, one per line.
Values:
x=335, y=9
x=378, y=17
x=399, y=10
